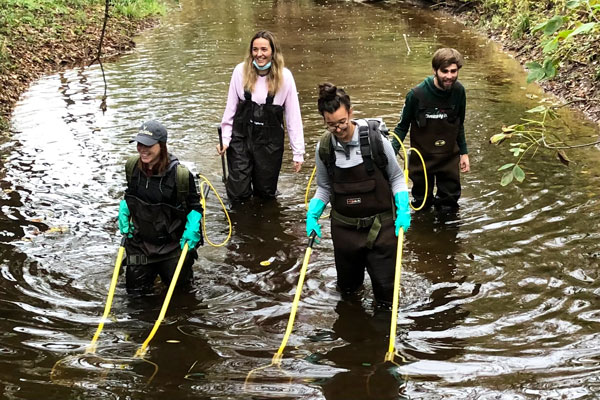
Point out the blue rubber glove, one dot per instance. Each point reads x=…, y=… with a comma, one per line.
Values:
x=124, y=227
x=402, y=211
x=192, y=234
x=315, y=209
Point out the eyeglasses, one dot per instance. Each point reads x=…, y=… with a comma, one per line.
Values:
x=331, y=127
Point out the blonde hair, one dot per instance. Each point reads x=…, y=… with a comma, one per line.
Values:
x=275, y=75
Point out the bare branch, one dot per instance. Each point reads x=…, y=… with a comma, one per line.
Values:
x=99, y=55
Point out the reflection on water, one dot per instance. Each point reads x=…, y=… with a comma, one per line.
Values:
x=499, y=301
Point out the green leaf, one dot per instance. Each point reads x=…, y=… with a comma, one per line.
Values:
x=538, y=109
x=573, y=3
x=550, y=46
x=553, y=24
x=506, y=166
x=549, y=69
x=533, y=65
x=518, y=173
x=539, y=26
x=563, y=34
x=584, y=28
x=535, y=75
x=506, y=178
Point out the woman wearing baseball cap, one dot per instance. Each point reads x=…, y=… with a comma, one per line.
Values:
x=161, y=211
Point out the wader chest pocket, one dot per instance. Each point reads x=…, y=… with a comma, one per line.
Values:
x=350, y=188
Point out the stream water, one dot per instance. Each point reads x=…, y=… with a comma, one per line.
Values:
x=501, y=302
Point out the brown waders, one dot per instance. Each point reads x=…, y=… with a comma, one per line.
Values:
x=362, y=229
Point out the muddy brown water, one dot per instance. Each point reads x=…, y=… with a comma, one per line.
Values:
x=499, y=302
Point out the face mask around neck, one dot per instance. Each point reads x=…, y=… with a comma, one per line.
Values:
x=263, y=68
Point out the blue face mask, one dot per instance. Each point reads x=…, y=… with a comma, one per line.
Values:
x=265, y=67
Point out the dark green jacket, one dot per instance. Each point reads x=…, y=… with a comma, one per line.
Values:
x=455, y=96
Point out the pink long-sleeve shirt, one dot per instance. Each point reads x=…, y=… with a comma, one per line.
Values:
x=287, y=96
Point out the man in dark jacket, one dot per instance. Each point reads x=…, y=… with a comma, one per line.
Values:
x=435, y=113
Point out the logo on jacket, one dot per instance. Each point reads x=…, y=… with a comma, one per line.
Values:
x=440, y=143
x=353, y=201
x=437, y=115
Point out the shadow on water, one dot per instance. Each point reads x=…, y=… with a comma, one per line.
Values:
x=365, y=337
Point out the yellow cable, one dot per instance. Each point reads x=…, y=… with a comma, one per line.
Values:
x=390, y=354
x=426, y=183
x=405, y=156
x=290, y=324
x=312, y=175
x=276, y=360
x=142, y=350
x=111, y=291
x=204, y=179
x=406, y=169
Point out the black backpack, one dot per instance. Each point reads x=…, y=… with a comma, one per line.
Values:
x=182, y=179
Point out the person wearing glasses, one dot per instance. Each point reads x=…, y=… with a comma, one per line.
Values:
x=261, y=92
x=369, y=197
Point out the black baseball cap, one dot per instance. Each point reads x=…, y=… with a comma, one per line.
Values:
x=150, y=133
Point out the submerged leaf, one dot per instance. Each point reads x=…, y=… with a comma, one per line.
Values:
x=562, y=156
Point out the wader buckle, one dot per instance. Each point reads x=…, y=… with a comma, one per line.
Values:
x=364, y=222
x=137, y=259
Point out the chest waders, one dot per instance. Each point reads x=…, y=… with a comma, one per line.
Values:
x=362, y=226
x=434, y=133
x=157, y=229
x=255, y=153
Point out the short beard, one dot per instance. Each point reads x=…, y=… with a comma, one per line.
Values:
x=441, y=83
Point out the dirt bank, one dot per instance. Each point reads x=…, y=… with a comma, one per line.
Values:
x=33, y=53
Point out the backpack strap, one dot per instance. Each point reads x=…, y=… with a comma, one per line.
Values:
x=326, y=153
x=365, y=148
x=182, y=181
x=376, y=134
x=129, y=166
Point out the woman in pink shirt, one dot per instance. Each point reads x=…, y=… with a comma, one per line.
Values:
x=261, y=93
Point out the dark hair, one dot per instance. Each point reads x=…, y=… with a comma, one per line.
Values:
x=444, y=57
x=331, y=98
x=161, y=165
